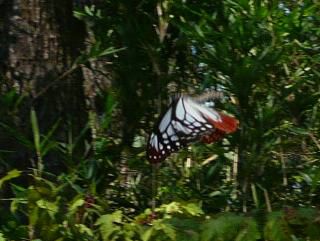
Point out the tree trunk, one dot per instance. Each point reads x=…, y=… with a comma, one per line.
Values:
x=40, y=41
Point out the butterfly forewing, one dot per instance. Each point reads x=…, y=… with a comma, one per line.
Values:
x=181, y=124
x=165, y=138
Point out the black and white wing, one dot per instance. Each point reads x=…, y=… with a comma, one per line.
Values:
x=184, y=122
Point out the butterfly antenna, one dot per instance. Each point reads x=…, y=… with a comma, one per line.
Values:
x=210, y=95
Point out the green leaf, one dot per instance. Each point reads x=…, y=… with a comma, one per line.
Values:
x=299, y=131
x=173, y=207
x=166, y=228
x=230, y=227
x=109, y=51
x=33, y=215
x=249, y=232
x=45, y=144
x=193, y=209
x=35, y=129
x=51, y=207
x=88, y=10
x=147, y=234
x=11, y=174
x=2, y=237
x=17, y=135
x=77, y=203
x=79, y=14
x=186, y=228
x=15, y=204
x=108, y=224
x=84, y=229
x=276, y=228
x=169, y=231
x=110, y=104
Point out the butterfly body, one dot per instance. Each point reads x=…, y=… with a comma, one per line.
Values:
x=186, y=121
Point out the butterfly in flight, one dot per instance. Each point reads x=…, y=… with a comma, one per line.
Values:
x=187, y=120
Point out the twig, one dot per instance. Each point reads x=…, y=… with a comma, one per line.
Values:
x=314, y=139
x=45, y=89
x=154, y=186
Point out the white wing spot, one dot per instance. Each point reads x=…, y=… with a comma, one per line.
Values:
x=160, y=146
x=163, y=152
x=170, y=130
x=165, y=141
x=197, y=124
x=180, y=112
x=174, y=138
x=165, y=120
x=186, y=122
x=155, y=142
x=177, y=143
x=208, y=125
x=151, y=140
x=168, y=147
x=164, y=136
x=203, y=128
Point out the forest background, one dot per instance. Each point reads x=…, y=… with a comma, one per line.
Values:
x=82, y=83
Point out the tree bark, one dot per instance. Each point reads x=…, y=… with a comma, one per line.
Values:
x=40, y=41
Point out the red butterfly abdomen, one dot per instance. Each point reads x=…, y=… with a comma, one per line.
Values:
x=216, y=135
x=228, y=124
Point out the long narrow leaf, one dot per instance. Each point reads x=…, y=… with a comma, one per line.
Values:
x=35, y=130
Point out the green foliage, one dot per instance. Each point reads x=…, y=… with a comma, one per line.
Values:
x=109, y=225
x=11, y=174
x=230, y=227
x=277, y=228
x=1, y=237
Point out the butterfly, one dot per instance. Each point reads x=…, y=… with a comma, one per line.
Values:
x=187, y=120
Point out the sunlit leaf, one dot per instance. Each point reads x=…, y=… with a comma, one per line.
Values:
x=10, y=175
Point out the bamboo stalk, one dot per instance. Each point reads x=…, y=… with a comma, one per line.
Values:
x=254, y=195
x=268, y=203
x=244, y=195
x=284, y=168
x=235, y=167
